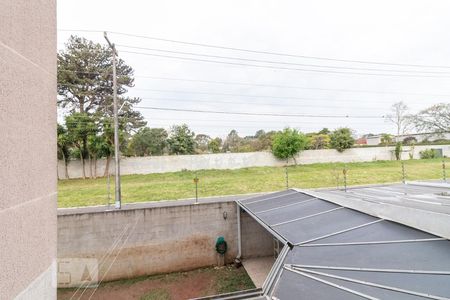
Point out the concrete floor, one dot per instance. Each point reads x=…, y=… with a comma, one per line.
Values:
x=258, y=268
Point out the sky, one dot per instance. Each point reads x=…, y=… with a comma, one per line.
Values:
x=305, y=81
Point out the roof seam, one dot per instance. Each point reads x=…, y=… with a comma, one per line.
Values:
x=287, y=205
x=339, y=232
x=331, y=284
x=375, y=242
x=374, y=270
x=371, y=284
x=307, y=217
x=270, y=198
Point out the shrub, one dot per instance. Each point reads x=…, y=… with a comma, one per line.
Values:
x=409, y=140
x=398, y=150
x=386, y=139
x=428, y=153
x=342, y=139
x=288, y=143
x=319, y=141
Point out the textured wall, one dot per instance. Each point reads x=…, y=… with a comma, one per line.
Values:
x=130, y=243
x=173, y=163
x=256, y=240
x=27, y=150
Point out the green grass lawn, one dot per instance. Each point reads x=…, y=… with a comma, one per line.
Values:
x=180, y=185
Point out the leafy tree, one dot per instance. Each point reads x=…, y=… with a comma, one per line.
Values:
x=64, y=143
x=434, y=119
x=97, y=147
x=260, y=133
x=398, y=150
x=214, y=145
x=202, y=142
x=319, y=141
x=324, y=131
x=85, y=83
x=400, y=117
x=181, y=140
x=107, y=132
x=288, y=143
x=247, y=145
x=342, y=139
x=386, y=139
x=149, y=141
x=232, y=141
x=263, y=140
x=79, y=127
x=410, y=140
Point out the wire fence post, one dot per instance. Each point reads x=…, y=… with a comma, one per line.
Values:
x=403, y=173
x=345, y=177
x=444, y=173
x=196, y=188
x=287, y=177
x=108, y=183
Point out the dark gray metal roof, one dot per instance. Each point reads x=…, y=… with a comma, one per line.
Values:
x=334, y=252
x=430, y=198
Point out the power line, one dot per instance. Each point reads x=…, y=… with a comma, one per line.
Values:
x=256, y=96
x=251, y=103
x=151, y=119
x=257, y=51
x=81, y=30
x=287, y=86
x=281, y=62
x=277, y=53
x=283, y=68
x=257, y=114
x=267, y=85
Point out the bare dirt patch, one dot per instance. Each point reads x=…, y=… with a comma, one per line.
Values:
x=174, y=286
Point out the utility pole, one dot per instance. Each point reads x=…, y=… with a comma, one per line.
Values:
x=118, y=199
x=403, y=173
x=196, y=188
x=287, y=177
x=444, y=175
x=344, y=171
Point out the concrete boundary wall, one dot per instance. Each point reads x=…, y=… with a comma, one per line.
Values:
x=158, y=239
x=174, y=163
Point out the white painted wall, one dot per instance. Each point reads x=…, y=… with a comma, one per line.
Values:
x=163, y=164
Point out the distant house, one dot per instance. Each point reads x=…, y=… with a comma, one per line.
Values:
x=418, y=137
x=421, y=137
x=361, y=141
x=373, y=140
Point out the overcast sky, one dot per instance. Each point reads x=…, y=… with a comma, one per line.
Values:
x=400, y=32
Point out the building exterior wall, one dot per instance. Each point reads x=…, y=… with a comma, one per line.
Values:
x=174, y=163
x=27, y=151
x=420, y=137
x=154, y=240
x=373, y=140
x=256, y=240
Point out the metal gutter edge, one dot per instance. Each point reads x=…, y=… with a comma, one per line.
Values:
x=245, y=294
x=275, y=270
x=430, y=184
